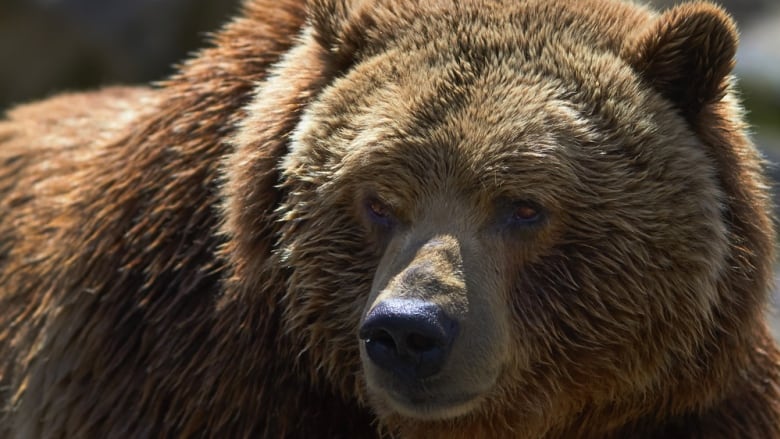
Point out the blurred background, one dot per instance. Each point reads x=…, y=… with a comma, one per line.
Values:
x=50, y=46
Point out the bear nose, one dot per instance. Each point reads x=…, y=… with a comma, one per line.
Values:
x=409, y=337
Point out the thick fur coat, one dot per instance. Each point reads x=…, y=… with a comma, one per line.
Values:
x=569, y=182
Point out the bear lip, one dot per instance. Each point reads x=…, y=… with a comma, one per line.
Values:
x=425, y=400
x=425, y=406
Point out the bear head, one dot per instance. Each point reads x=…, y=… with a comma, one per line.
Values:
x=503, y=212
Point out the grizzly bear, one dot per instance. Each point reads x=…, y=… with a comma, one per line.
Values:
x=418, y=219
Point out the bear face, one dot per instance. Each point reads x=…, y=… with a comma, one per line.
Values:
x=521, y=197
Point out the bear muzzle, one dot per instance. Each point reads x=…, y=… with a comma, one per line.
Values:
x=430, y=346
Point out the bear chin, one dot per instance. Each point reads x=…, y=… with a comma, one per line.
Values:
x=435, y=398
x=424, y=406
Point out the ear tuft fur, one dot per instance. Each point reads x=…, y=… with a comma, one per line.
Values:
x=339, y=27
x=687, y=54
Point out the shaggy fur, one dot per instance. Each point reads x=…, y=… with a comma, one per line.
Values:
x=196, y=259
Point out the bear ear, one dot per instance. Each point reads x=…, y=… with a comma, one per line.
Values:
x=686, y=55
x=340, y=27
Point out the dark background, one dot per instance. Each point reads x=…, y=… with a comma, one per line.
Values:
x=50, y=46
x=47, y=46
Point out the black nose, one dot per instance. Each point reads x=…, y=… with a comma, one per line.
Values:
x=409, y=337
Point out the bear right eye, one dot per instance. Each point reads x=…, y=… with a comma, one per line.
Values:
x=379, y=212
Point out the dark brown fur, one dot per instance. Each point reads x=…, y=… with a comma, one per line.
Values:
x=193, y=260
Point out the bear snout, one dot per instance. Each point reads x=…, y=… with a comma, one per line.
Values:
x=410, y=338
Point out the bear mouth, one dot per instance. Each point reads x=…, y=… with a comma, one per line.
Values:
x=422, y=404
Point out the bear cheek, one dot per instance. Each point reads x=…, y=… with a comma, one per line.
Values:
x=433, y=330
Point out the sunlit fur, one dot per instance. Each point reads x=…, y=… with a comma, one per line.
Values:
x=197, y=258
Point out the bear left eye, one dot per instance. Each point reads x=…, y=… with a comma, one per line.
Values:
x=526, y=213
x=379, y=211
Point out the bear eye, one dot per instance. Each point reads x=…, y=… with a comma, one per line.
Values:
x=526, y=213
x=379, y=211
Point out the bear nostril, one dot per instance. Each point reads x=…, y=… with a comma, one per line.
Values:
x=420, y=343
x=382, y=337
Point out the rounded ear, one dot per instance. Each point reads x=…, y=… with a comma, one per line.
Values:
x=686, y=54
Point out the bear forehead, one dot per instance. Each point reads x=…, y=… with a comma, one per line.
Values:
x=497, y=118
x=426, y=128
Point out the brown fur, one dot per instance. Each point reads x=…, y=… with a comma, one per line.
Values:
x=196, y=259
